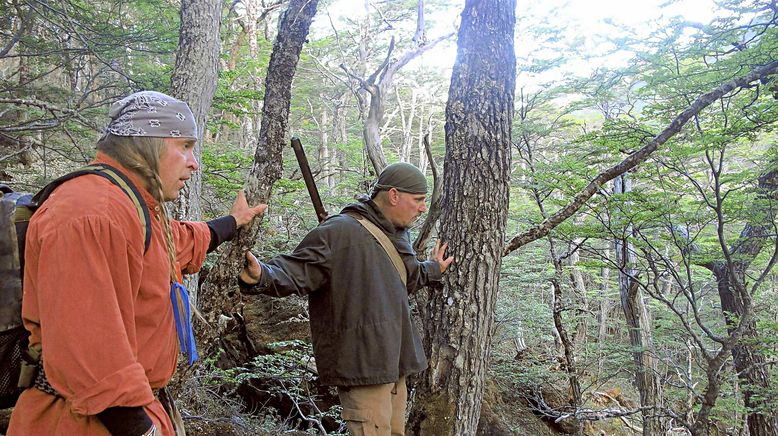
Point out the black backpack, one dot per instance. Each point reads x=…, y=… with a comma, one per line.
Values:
x=16, y=209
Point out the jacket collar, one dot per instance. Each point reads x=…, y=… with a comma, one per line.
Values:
x=368, y=209
x=137, y=181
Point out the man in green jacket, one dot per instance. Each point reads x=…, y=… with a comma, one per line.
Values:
x=357, y=269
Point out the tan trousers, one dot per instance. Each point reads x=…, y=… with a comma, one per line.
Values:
x=375, y=409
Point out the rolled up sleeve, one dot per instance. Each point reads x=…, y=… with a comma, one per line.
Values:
x=192, y=240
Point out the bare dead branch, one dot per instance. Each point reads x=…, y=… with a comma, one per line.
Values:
x=380, y=69
x=434, y=211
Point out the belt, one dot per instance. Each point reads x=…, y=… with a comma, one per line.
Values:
x=42, y=384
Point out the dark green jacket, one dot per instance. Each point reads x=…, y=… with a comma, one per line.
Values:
x=360, y=320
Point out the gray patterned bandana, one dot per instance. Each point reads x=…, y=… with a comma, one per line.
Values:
x=150, y=113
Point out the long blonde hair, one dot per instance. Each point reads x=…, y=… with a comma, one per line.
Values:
x=141, y=155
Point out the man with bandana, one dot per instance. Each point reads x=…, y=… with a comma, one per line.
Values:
x=107, y=312
x=357, y=269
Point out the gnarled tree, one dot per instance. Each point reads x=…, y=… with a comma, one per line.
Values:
x=219, y=298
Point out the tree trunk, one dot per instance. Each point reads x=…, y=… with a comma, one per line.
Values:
x=325, y=159
x=579, y=285
x=340, y=136
x=407, y=124
x=567, y=347
x=420, y=142
x=749, y=364
x=602, y=317
x=459, y=319
x=194, y=81
x=252, y=16
x=221, y=302
x=639, y=325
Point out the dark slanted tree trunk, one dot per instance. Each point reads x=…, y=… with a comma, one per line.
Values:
x=194, y=81
x=220, y=299
x=749, y=363
x=639, y=325
x=459, y=319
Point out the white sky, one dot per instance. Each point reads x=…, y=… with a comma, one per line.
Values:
x=593, y=20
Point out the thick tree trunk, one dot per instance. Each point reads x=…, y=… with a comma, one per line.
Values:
x=639, y=325
x=459, y=318
x=736, y=304
x=194, y=81
x=221, y=302
x=750, y=365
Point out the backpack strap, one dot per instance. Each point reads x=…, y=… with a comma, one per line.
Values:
x=115, y=177
x=382, y=239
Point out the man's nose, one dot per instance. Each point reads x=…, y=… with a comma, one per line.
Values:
x=192, y=161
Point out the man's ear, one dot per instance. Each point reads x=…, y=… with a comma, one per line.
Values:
x=394, y=196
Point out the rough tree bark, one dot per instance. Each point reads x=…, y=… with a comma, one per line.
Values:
x=750, y=365
x=639, y=325
x=194, y=81
x=459, y=318
x=222, y=305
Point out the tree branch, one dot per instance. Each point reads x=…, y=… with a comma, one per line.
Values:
x=434, y=211
x=636, y=158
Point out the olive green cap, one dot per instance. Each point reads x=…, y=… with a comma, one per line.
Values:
x=402, y=176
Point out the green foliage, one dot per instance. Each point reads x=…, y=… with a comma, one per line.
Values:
x=288, y=374
x=702, y=180
x=79, y=56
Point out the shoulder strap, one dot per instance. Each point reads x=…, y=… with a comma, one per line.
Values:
x=115, y=177
x=382, y=239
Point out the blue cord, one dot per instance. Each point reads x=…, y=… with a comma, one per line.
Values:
x=183, y=318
